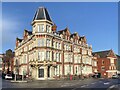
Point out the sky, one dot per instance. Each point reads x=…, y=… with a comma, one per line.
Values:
x=98, y=21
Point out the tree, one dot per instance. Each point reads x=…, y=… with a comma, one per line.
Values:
x=9, y=54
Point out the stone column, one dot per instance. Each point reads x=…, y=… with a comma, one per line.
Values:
x=37, y=72
x=45, y=72
x=33, y=72
x=51, y=72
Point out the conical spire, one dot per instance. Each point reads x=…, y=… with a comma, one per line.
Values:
x=42, y=14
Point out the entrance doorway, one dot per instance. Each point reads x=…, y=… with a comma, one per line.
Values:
x=41, y=73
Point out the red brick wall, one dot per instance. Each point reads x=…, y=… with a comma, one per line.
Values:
x=106, y=65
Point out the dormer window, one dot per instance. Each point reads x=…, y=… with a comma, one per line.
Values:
x=41, y=28
x=48, y=28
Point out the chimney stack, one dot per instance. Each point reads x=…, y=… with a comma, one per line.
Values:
x=54, y=28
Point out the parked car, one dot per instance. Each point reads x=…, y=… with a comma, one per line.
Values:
x=115, y=76
x=8, y=76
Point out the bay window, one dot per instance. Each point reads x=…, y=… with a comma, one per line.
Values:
x=40, y=56
x=41, y=42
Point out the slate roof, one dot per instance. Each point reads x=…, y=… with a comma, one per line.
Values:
x=61, y=31
x=29, y=32
x=102, y=54
x=42, y=14
x=71, y=36
x=118, y=56
x=19, y=39
x=81, y=37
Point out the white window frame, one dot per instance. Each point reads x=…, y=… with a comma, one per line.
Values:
x=48, y=43
x=41, y=27
x=48, y=28
x=48, y=55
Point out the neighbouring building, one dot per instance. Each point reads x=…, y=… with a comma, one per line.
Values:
x=47, y=53
x=106, y=63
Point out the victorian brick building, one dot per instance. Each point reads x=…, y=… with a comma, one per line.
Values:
x=45, y=52
x=106, y=63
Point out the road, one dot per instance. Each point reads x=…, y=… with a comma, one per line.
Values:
x=102, y=84
x=89, y=84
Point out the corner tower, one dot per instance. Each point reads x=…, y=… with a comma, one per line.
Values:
x=42, y=21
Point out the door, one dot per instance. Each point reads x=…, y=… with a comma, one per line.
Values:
x=41, y=73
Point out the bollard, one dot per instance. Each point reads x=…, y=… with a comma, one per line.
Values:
x=70, y=77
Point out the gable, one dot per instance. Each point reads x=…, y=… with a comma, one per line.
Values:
x=83, y=39
x=111, y=54
x=25, y=34
x=67, y=32
x=77, y=36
